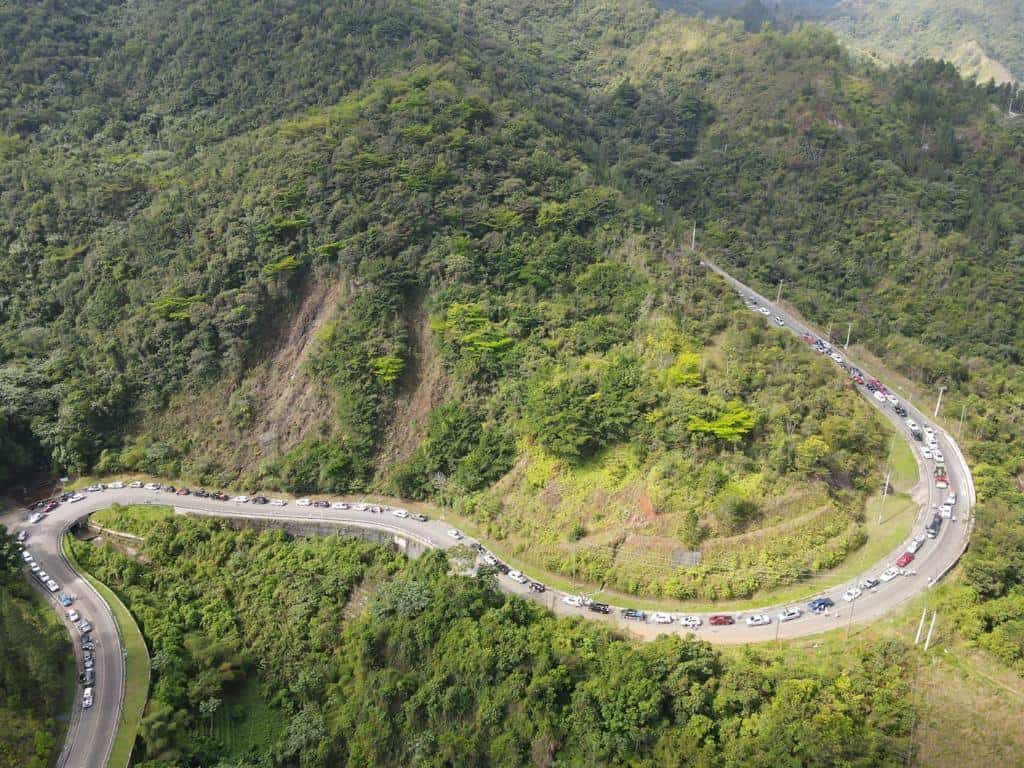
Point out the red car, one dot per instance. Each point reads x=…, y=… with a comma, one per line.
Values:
x=721, y=620
x=904, y=560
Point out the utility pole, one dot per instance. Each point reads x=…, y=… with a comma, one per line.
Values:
x=938, y=403
x=885, y=493
x=828, y=334
x=920, y=626
x=693, y=237
x=849, y=329
x=963, y=413
x=931, y=628
x=778, y=295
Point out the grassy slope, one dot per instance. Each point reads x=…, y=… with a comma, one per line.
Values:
x=136, y=684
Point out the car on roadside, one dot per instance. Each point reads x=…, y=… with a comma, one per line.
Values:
x=135, y=484
x=764, y=311
x=951, y=498
x=303, y=503
x=941, y=482
x=277, y=502
x=65, y=599
x=788, y=614
x=869, y=582
x=878, y=396
x=489, y=559
x=87, y=698
x=779, y=321
x=76, y=498
x=915, y=545
x=602, y=608
x=926, y=452
x=852, y=594
x=152, y=486
x=721, y=620
x=22, y=536
x=517, y=577
x=85, y=626
x=820, y=604
x=35, y=517
x=536, y=586
x=321, y=504
x=94, y=488
x=660, y=617
x=89, y=664
x=900, y=410
x=183, y=492
x=573, y=600
x=454, y=533
x=633, y=614
x=339, y=505
x=758, y=620
x=400, y=513
x=889, y=574
x=240, y=499
x=419, y=517
x=26, y=555
x=73, y=615
x=88, y=677
x=691, y=622
x=52, y=585
x=904, y=560
x=940, y=457
x=946, y=511
x=116, y=485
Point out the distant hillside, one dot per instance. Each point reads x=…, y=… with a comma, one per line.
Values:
x=985, y=39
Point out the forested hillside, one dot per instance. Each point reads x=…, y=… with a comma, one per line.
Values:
x=429, y=668
x=34, y=668
x=983, y=39
x=438, y=249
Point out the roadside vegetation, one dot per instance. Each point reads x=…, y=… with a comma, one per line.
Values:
x=247, y=627
x=36, y=669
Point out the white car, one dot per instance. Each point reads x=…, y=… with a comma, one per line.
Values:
x=52, y=585
x=951, y=498
x=73, y=615
x=454, y=533
x=33, y=566
x=879, y=396
x=26, y=555
x=929, y=431
x=940, y=457
x=912, y=425
x=779, y=321
x=35, y=518
x=574, y=600
x=87, y=698
x=517, y=577
x=241, y=499
x=889, y=574
x=135, y=484
x=916, y=544
x=22, y=535
x=837, y=357
x=758, y=620
x=893, y=400
x=926, y=453
x=852, y=594
x=489, y=559
x=303, y=503
x=946, y=511
x=662, y=618
x=339, y=505
x=278, y=502
x=152, y=486
x=789, y=614
x=94, y=488
x=764, y=311
x=77, y=497
x=116, y=485
x=930, y=439
x=399, y=513
x=690, y=622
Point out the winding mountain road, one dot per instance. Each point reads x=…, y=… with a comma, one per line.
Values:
x=91, y=731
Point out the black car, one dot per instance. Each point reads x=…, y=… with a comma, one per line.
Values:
x=633, y=614
x=600, y=608
x=900, y=411
x=503, y=568
x=322, y=504
x=260, y=500
x=536, y=586
x=477, y=546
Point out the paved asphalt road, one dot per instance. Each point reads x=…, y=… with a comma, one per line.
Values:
x=91, y=731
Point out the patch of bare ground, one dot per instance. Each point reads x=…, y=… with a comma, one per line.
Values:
x=360, y=598
x=285, y=402
x=424, y=386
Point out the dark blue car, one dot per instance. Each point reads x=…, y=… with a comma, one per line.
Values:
x=820, y=604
